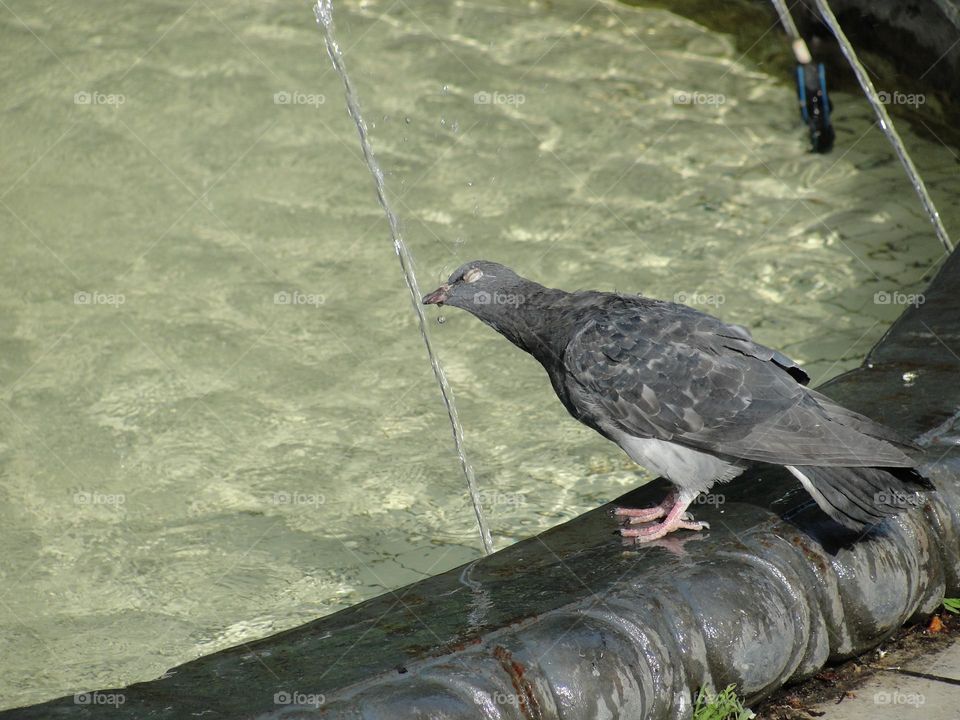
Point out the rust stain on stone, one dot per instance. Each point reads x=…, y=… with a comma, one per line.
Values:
x=810, y=554
x=526, y=697
x=463, y=644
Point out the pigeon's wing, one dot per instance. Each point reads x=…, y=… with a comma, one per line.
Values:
x=738, y=339
x=678, y=375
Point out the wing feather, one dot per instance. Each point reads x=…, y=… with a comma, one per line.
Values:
x=707, y=385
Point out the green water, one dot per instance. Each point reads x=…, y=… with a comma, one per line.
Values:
x=188, y=462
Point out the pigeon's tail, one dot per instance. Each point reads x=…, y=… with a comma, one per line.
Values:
x=861, y=423
x=859, y=497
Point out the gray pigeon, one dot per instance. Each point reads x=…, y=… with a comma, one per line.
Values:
x=690, y=397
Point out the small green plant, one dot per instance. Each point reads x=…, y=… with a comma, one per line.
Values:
x=724, y=705
x=952, y=604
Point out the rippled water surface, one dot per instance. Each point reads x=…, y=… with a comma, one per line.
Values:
x=218, y=420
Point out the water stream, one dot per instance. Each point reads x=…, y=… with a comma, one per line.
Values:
x=324, y=14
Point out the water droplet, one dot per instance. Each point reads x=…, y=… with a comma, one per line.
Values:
x=407, y=120
x=444, y=89
x=441, y=320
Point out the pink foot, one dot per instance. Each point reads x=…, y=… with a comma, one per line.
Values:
x=641, y=515
x=677, y=519
x=658, y=530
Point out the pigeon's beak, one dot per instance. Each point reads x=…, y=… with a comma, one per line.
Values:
x=438, y=296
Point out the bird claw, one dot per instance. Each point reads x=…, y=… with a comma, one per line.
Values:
x=639, y=515
x=673, y=512
x=655, y=531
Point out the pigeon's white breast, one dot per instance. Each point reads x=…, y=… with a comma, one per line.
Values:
x=691, y=470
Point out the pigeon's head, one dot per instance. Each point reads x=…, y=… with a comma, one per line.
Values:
x=480, y=287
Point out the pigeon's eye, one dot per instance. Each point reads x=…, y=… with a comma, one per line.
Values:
x=472, y=275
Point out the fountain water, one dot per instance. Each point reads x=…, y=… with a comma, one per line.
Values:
x=324, y=13
x=886, y=124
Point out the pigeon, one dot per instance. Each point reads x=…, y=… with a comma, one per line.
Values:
x=691, y=398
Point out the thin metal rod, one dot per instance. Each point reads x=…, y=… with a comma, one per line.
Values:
x=786, y=19
x=800, y=50
x=324, y=13
x=886, y=124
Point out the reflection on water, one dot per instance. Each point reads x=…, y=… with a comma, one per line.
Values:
x=218, y=419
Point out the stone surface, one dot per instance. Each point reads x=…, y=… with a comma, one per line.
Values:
x=893, y=696
x=575, y=624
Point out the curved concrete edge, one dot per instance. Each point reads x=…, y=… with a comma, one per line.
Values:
x=764, y=606
x=575, y=624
